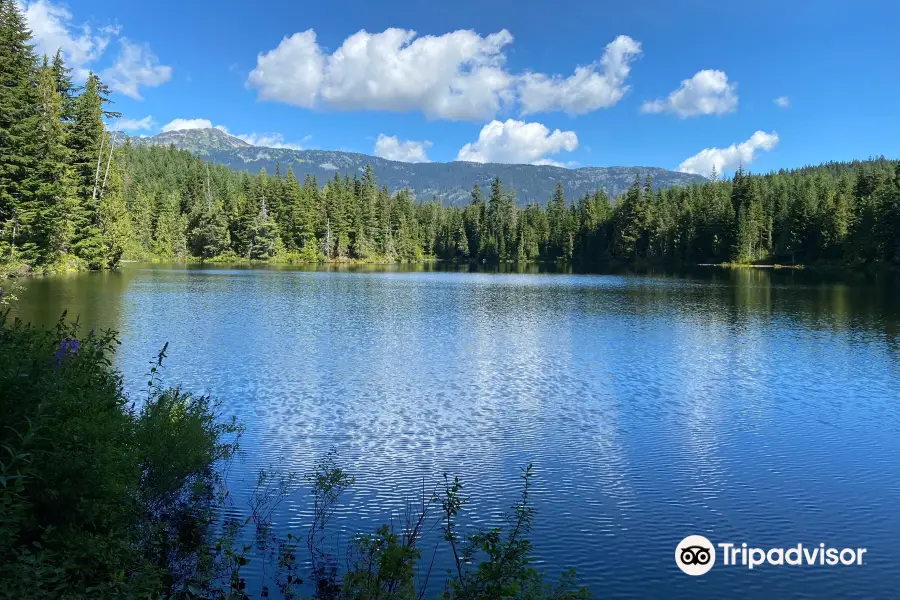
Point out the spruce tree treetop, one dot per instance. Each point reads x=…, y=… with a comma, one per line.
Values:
x=477, y=196
x=64, y=87
x=18, y=123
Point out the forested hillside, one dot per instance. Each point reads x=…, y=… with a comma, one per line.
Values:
x=69, y=200
x=449, y=182
x=836, y=213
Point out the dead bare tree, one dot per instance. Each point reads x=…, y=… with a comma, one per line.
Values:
x=208, y=191
x=112, y=146
x=97, y=172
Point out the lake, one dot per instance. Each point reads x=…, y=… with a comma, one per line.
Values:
x=743, y=405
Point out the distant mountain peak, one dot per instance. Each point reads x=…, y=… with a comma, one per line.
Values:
x=197, y=141
x=451, y=182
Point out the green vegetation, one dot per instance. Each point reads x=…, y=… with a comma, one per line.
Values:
x=451, y=182
x=70, y=200
x=61, y=195
x=838, y=214
x=102, y=496
x=98, y=497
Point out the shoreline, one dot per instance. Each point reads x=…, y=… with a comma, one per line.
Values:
x=22, y=271
x=726, y=265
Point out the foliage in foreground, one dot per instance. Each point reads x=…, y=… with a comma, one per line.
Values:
x=494, y=564
x=104, y=497
x=98, y=497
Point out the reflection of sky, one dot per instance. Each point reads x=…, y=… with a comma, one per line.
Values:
x=652, y=407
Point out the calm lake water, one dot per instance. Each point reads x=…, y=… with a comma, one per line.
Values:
x=746, y=406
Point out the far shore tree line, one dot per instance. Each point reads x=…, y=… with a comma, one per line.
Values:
x=69, y=199
x=837, y=213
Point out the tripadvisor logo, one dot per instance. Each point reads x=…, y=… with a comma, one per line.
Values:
x=696, y=555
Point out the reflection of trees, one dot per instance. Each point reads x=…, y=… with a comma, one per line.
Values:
x=94, y=298
x=836, y=302
x=821, y=301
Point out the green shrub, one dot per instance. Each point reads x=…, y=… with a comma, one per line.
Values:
x=97, y=497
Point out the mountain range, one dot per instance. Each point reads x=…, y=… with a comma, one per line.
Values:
x=452, y=182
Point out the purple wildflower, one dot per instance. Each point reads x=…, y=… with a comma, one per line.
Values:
x=66, y=347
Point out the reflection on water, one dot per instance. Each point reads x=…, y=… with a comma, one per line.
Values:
x=744, y=405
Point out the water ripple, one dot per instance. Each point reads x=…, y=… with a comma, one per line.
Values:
x=734, y=406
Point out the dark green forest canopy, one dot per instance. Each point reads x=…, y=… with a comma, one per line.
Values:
x=839, y=213
x=70, y=199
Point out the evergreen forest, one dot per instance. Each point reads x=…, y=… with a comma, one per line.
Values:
x=71, y=198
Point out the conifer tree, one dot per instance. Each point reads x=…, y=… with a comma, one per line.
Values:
x=891, y=220
x=169, y=234
x=275, y=195
x=460, y=241
x=496, y=242
x=143, y=210
x=312, y=214
x=630, y=222
x=63, y=80
x=385, y=224
x=86, y=138
x=52, y=181
x=115, y=223
x=290, y=222
x=474, y=217
x=558, y=218
x=264, y=242
x=91, y=154
x=19, y=118
x=210, y=236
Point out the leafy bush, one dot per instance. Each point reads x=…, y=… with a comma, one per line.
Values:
x=98, y=497
x=488, y=565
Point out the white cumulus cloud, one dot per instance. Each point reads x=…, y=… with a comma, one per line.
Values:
x=391, y=148
x=459, y=75
x=53, y=29
x=137, y=124
x=178, y=124
x=598, y=85
x=518, y=142
x=136, y=66
x=267, y=140
x=455, y=76
x=783, y=101
x=726, y=159
x=708, y=92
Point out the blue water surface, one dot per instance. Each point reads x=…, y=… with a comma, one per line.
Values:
x=745, y=406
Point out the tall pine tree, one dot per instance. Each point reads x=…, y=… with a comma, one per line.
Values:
x=52, y=180
x=19, y=118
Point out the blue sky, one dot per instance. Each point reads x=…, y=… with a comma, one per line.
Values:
x=494, y=80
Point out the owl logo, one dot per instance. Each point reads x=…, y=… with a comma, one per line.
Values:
x=695, y=555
